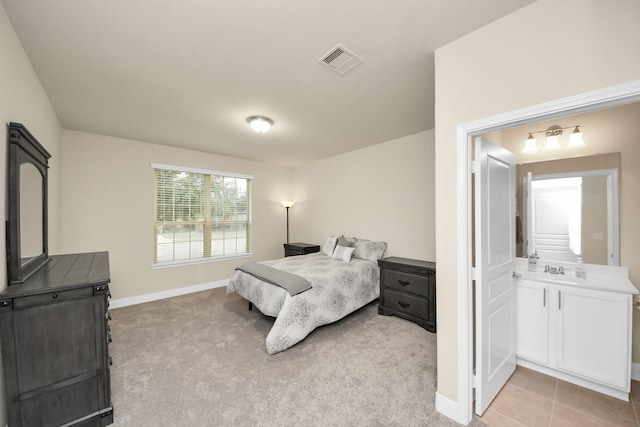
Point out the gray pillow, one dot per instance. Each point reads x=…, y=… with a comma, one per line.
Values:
x=366, y=249
x=347, y=241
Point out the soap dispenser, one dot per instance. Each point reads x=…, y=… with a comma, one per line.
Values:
x=533, y=261
x=581, y=271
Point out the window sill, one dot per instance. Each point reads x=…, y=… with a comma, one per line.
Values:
x=185, y=262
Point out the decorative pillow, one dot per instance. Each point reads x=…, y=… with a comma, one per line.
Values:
x=366, y=249
x=347, y=241
x=343, y=253
x=329, y=245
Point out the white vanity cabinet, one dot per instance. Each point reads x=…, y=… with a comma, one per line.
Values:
x=593, y=335
x=577, y=333
x=532, y=326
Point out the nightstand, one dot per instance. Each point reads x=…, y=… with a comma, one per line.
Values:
x=408, y=290
x=292, y=249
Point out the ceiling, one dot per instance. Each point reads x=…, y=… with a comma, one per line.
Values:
x=189, y=73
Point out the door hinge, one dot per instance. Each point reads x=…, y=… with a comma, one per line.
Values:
x=474, y=273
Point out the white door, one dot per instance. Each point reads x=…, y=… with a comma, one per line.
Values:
x=495, y=210
x=528, y=224
x=556, y=218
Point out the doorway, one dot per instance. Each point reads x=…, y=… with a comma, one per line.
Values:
x=597, y=100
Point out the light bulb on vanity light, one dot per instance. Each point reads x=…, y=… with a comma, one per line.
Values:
x=575, y=139
x=552, y=134
x=530, y=145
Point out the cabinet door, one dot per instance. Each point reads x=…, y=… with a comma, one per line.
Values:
x=60, y=352
x=593, y=335
x=532, y=321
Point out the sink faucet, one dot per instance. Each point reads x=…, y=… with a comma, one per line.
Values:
x=552, y=269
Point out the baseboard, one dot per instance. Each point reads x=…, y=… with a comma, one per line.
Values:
x=448, y=408
x=635, y=371
x=124, y=302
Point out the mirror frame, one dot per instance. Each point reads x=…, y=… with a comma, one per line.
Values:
x=23, y=147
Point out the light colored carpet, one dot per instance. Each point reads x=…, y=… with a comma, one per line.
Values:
x=200, y=360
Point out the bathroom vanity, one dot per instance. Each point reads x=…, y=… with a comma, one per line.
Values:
x=577, y=330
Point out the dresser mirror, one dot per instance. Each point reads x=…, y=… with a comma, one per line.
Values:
x=27, y=167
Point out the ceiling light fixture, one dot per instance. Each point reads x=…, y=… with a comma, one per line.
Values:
x=260, y=124
x=553, y=134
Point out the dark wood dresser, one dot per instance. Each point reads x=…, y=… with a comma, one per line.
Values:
x=293, y=249
x=55, y=337
x=408, y=290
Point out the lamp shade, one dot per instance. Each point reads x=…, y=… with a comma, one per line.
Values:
x=575, y=139
x=552, y=143
x=287, y=203
x=530, y=145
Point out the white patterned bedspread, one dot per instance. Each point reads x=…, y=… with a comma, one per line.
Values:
x=338, y=288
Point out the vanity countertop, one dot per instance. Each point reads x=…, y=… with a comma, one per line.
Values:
x=600, y=277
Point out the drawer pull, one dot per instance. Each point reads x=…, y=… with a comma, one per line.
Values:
x=403, y=282
x=403, y=304
x=55, y=296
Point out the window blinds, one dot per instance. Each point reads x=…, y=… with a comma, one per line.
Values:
x=200, y=214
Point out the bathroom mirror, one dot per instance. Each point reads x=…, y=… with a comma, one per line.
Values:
x=27, y=236
x=565, y=212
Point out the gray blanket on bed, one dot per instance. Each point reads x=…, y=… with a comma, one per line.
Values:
x=293, y=283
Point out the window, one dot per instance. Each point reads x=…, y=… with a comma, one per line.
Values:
x=200, y=215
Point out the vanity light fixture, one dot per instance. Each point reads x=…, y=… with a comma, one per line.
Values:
x=260, y=124
x=553, y=134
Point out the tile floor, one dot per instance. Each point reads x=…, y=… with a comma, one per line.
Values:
x=531, y=399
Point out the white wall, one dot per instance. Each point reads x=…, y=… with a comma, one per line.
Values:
x=383, y=192
x=546, y=51
x=23, y=100
x=108, y=204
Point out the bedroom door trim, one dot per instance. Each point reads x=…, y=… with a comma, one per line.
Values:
x=591, y=101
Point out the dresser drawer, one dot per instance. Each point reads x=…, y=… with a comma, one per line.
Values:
x=405, y=303
x=406, y=282
x=294, y=251
x=52, y=297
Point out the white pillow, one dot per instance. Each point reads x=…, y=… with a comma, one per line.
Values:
x=343, y=253
x=329, y=245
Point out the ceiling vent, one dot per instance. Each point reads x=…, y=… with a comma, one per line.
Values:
x=340, y=59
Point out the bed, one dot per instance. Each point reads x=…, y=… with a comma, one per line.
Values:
x=342, y=278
